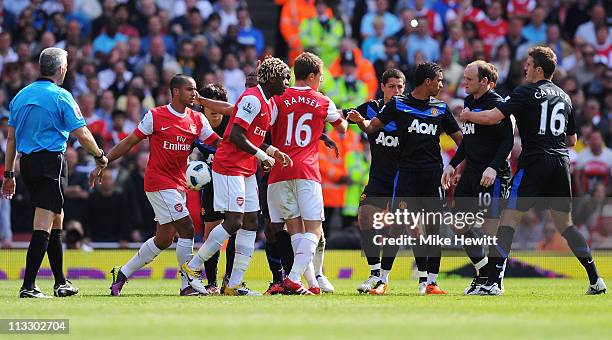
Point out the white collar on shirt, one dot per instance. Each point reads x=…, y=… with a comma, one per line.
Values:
x=174, y=112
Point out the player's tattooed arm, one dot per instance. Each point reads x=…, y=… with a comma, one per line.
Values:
x=218, y=106
x=486, y=117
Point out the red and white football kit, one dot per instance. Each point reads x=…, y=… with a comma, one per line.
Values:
x=170, y=135
x=234, y=170
x=298, y=121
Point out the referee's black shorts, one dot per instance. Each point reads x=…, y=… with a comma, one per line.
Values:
x=45, y=176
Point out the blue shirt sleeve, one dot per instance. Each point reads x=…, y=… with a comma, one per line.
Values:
x=70, y=111
x=11, y=119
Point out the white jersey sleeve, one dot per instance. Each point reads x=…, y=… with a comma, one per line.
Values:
x=207, y=130
x=146, y=124
x=248, y=108
x=332, y=112
x=274, y=113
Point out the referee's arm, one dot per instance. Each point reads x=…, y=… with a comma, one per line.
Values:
x=8, y=181
x=87, y=141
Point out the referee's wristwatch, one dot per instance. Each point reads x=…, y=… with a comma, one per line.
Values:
x=9, y=174
x=98, y=158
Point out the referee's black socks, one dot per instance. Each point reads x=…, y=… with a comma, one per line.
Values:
x=580, y=248
x=55, y=253
x=34, y=257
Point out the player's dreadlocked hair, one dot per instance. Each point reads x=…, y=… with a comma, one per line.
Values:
x=270, y=68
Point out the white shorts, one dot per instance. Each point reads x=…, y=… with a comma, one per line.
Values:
x=235, y=193
x=295, y=198
x=169, y=205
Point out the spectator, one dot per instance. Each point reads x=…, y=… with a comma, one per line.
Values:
x=584, y=70
x=603, y=45
x=233, y=78
x=347, y=91
x=186, y=58
x=453, y=72
x=535, y=32
x=227, y=13
x=158, y=57
x=434, y=22
x=7, y=55
x=594, y=164
x=106, y=105
x=465, y=12
x=7, y=18
x=106, y=219
x=230, y=41
x=108, y=12
x=141, y=213
x=105, y=42
x=291, y=17
x=77, y=189
x=122, y=15
x=213, y=30
x=323, y=33
x=249, y=35
x=493, y=28
x=586, y=32
x=71, y=14
x=154, y=30
x=521, y=8
x=392, y=23
x=515, y=40
x=552, y=240
x=602, y=235
x=462, y=50
x=145, y=9
x=118, y=132
x=392, y=53
x=181, y=8
x=373, y=46
x=553, y=40
x=421, y=41
x=87, y=104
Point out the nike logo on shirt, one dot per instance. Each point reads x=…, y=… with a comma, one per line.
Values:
x=165, y=128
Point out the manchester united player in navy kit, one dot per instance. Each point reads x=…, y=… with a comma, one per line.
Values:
x=545, y=121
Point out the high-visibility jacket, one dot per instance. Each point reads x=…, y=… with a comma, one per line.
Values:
x=291, y=17
x=365, y=72
x=358, y=169
x=321, y=41
x=332, y=171
x=343, y=96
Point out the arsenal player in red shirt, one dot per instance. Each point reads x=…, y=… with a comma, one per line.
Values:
x=234, y=182
x=171, y=129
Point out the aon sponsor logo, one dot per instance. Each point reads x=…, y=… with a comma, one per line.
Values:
x=468, y=129
x=387, y=140
x=423, y=128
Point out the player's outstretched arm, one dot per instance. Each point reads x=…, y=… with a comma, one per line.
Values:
x=486, y=117
x=367, y=126
x=218, y=106
x=119, y=150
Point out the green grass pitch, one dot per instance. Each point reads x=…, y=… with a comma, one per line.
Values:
x=530, y=308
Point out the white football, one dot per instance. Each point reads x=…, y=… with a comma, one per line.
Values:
x=197, y=175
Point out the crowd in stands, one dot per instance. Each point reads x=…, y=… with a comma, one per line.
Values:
x=123, y=53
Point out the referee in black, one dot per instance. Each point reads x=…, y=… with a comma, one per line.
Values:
x=42, y=115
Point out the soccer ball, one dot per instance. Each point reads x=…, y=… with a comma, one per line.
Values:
x=197, y=175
